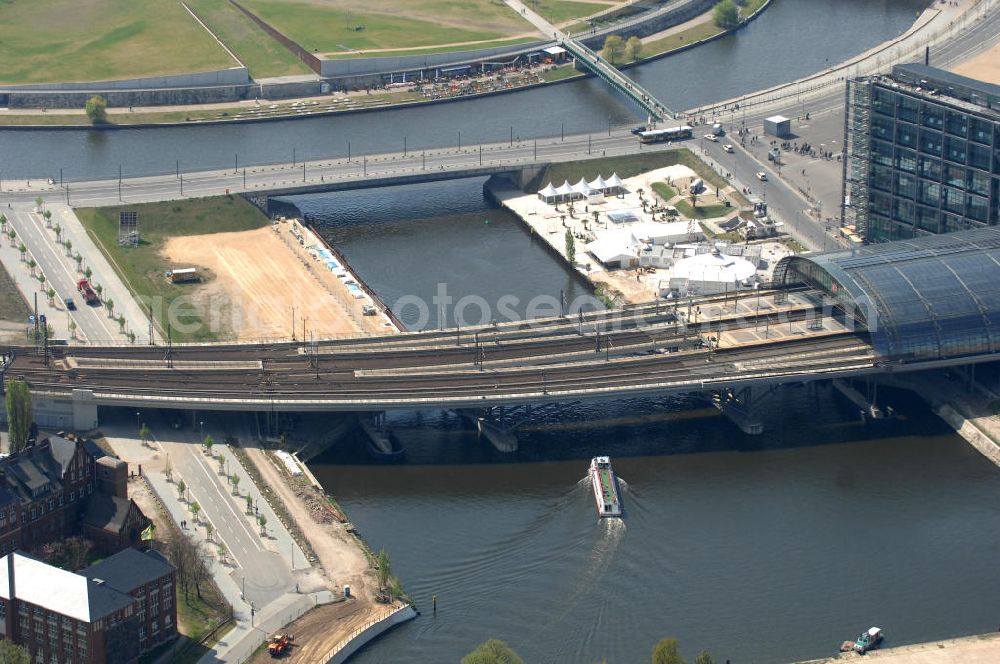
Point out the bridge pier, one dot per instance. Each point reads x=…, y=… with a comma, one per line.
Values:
x=867, y=403
x=742, y=406
x=489, y=426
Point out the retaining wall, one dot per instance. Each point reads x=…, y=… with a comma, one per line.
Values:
x=367, y=66
x=305, y=56
x=643, y=27
x=362, y=637
x=219, y=77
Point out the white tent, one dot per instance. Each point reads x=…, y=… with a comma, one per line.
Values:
x=565, y=190
x=549, y=193
x=714, y=267
x=581, y=188
x=598, y=184
x=614, y=183
x=615, y=248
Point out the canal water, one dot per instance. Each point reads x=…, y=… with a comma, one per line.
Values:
x=760, y=549
x=437, y=253
x=793, y=38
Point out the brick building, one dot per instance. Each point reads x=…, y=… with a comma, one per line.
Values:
x=111, y=613
x=53, y=489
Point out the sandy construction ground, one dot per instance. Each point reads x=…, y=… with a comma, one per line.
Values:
x=259, y=276
x=984, y=67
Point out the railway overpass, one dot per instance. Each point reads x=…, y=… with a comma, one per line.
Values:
x=900, y=306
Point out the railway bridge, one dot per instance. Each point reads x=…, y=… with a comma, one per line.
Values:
x=895, y=307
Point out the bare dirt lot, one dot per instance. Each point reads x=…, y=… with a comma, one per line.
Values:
x=984, y=67
x=259, y=279
x=318, y=631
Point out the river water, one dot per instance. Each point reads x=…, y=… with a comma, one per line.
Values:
x=793, y=38
x=761, y=549
x=437, y=253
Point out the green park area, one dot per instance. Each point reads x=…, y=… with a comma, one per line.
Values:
x=330, y=26
x=45, y=41
x=263, y=56
x=13, y=308
x=701, y=211
x=561, y=11
x=664, y=190
x=142, y=268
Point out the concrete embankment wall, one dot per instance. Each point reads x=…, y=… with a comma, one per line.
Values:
x=220, y=77
x=167, y=96
x=683, y=11
x=969, y=431
x=371, y=631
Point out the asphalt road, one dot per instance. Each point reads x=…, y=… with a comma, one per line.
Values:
x=266, y=574
x=92, y=321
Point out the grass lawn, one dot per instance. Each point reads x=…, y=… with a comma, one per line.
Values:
x=321, y=26
x=672, y=42
x=494, y=43
x=43, y=41
x=702, y=211
x=665, y=191
x=560, y=11
x=560, y=73
x=263, y=55
x=13, y=308
x=142, y=268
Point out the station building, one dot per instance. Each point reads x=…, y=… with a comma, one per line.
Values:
x=923, y=154
x=921, y=300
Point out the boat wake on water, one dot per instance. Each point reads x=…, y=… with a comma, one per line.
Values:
x=598, y=562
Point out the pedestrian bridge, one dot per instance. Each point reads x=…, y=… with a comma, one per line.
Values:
x=588, y=59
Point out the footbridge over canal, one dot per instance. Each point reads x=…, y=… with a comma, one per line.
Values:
x=591, y=61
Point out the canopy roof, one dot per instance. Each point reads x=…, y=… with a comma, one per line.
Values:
x=927, y=298
x=548, y=191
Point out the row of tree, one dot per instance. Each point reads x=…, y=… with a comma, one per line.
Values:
x=495, y=651
x=20, y=414
x=616, y=49
x=726, y=14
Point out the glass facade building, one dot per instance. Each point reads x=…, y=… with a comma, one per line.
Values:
x=923, y=154
x=927, y=298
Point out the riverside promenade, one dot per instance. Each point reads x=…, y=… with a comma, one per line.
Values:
x=978, y=649
x=966, y=28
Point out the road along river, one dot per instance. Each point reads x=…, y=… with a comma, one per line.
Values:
x=789, y=40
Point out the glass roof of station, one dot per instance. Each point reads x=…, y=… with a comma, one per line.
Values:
x=927, y=298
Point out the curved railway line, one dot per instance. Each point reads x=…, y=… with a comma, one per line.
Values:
x=648, y=348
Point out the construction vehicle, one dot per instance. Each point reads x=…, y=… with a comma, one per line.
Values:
x=88, y=292
x=279, y=645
